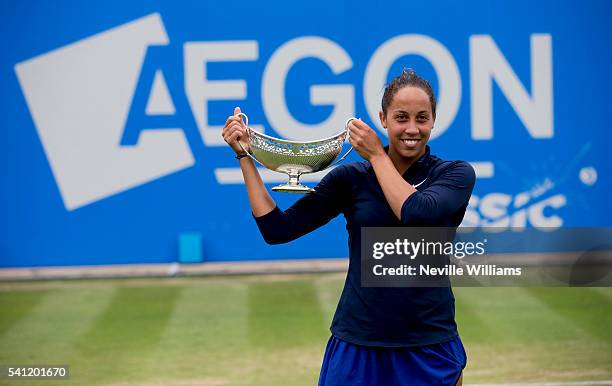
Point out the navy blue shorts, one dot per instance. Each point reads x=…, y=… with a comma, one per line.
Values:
x=350, y=364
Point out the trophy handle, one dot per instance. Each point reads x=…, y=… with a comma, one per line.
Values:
x=349, y=150
x=246, y=123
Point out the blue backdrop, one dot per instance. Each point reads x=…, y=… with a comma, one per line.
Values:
x=111, y=114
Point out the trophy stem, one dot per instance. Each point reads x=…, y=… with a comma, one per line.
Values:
x=294, y=178
x=294, y=185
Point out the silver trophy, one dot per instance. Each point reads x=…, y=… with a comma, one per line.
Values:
x=295, y=158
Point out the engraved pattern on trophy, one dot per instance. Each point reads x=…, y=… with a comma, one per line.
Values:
x=295, y=158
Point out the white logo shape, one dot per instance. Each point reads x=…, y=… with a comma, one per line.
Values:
x=79, y=96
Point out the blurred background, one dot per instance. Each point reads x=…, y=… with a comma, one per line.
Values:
x=114, y=166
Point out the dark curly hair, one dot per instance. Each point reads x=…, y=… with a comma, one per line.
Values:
x=408, y=78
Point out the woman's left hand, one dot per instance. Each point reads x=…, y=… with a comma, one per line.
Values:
x=364, y=139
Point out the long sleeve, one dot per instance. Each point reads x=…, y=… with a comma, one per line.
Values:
x=441, y=200
x=308, y=213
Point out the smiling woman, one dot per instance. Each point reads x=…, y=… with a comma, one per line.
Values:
x=411, y=111
x=380, y=336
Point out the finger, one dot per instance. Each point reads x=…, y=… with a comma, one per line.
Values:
x=352, y=137
x=238, y=138
x=238, y=125
x=237, y=110
x=235, y=128
x=227, y=127
x=233, y=137
x=355, y=132
x=228, y=132
x=355, y=127
x=232, y=118
x=360, y=124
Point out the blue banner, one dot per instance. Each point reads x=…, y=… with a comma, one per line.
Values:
x=112, y=114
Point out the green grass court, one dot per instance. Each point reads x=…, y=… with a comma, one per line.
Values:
x=272, y=330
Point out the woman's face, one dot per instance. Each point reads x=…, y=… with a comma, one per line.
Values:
x=408, y=121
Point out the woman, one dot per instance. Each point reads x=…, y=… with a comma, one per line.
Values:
x=380, y=336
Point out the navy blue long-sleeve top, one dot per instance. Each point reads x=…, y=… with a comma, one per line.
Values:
x=385, y=317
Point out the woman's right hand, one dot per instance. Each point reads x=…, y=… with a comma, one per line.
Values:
x=234, y=131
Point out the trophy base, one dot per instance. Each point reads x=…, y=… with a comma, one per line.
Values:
x=293, y=188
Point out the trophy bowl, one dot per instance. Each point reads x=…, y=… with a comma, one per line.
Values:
x=295, y=158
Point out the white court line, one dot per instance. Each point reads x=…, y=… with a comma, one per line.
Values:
x=583, y=383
